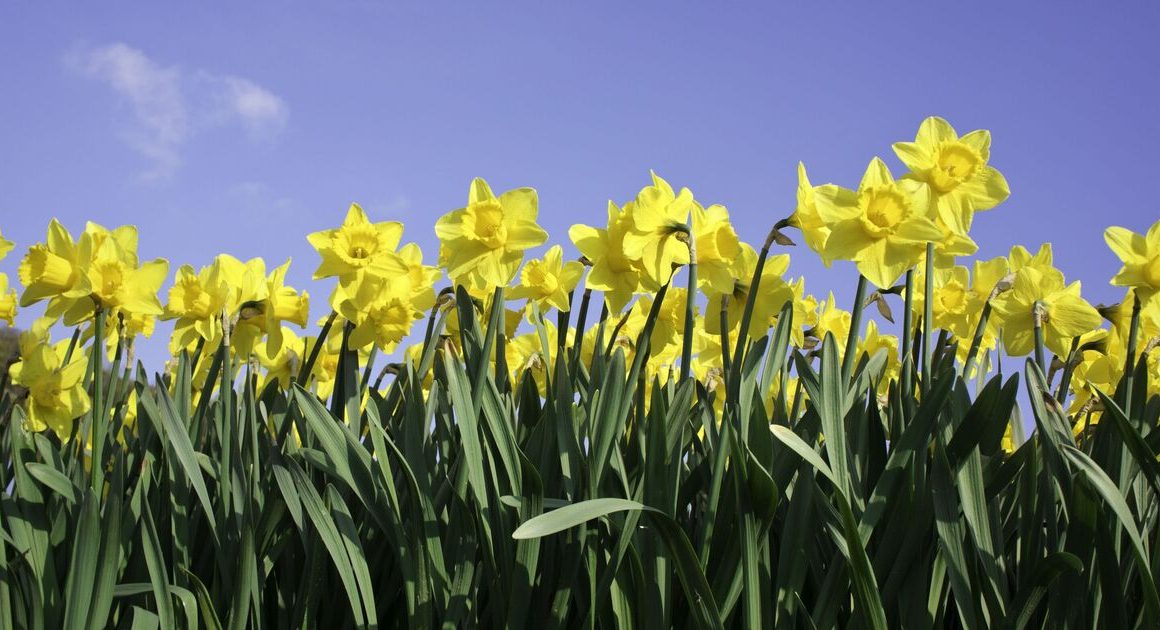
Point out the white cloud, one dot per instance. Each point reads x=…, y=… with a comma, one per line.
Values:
x=169, y=105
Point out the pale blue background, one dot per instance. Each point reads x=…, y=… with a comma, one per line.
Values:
x=398, y=106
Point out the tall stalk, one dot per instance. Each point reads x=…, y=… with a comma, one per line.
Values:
x=927, y=318
x=690, y=306
x=907, y=380
x=850, y=356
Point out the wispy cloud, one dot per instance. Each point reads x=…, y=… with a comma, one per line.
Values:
x=169, y=104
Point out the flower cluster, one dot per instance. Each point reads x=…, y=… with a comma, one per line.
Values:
x=662, y=244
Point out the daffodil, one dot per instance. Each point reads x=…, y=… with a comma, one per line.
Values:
x=614, y=272
x=717, y=248
x=354, y=246
x=484, y=242
x=834, y=321
x=874, y=342
x=56, y=393
x=1063, y=313
x=658, y=216
x=264, y=309
x=196, y=301
x=7, y=301
x=52, y=271
x=1042, y=260
x=883, y=227
x=115, y=280
x=5, y=246
x=665, y=341
x=381, y=316
x=806, y=218
x=956, y=169
x=525, y=354
x=1140, y=255
x=282, y=364
x=549, y=281
x=773, y=292
x=384, y=307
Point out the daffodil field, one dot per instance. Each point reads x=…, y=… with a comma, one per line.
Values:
x=649, y=426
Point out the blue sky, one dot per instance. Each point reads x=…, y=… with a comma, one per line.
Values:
x=241, y=127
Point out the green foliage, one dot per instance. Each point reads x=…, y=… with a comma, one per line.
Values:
x=456, y=498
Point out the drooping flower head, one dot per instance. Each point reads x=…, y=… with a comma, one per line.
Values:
x=614, y=271
x=717, y=248
x=658, y=216
x=1140, y=255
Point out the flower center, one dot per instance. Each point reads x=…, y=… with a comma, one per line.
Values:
x=955, y=164
x=539, y=278
x=358, y=244
x=885, y=208
x=108, y=277
x=47, y=393
x=485, y=223
x=952, y=298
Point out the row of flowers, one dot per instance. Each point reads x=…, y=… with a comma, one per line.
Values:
x=886, y=226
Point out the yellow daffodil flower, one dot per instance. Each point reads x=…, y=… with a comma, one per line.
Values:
x=874, y=342
x=956, y=169
x=1041, y=261
x=114, y=279
x=658, y=216
x=614, y=272
x=5, y=246
x=485, y=241
x=549, y=281
x=717, y=248
x=1064, y=314
x=354, y=246
x=196, y=301
x=773, y=292
x=665, y=341
x=282, y=364
x=806, y=218
x=7, y=301
x=834, y=321
x=1140, y=255
x=56, y=393
x=52, y=271
x=883, y=227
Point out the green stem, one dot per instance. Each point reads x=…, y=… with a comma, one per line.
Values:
x=907, y=382
x=754, y=285
x=581, y=320
x=725, y=362
x=927, y=317
x=1130, y=362
x=308, y=365
x=1037, y=318
x=977, y=340
x=690, y=308
x=98, y=416
x=1068, y=367
x=850, y=356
